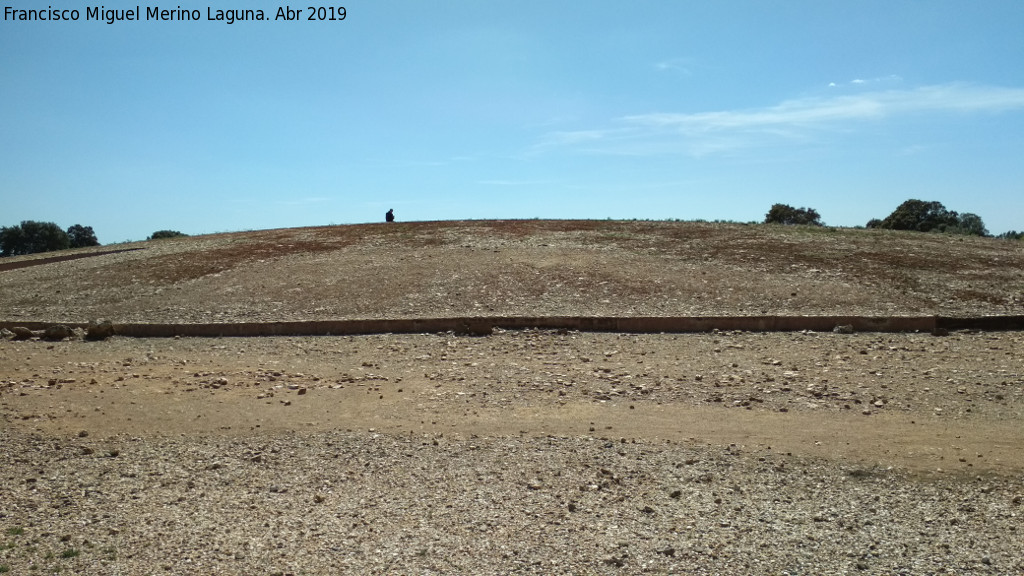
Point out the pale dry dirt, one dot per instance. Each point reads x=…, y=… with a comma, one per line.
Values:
x=534, y=452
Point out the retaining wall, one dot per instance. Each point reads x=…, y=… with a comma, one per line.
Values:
x=485, y=325
x=4, y=266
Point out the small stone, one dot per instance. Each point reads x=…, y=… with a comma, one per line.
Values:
x=22, y=333
x=302, y=391
x=83, y=433
x=58, y=332
x=99, y=330
x=616, y=561
x=843, y=329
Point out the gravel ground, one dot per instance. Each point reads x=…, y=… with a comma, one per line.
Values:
x=524, y=452
x=362, y=503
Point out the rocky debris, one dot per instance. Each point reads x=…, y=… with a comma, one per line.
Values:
x=58, y=332
x=966, y=375
x=335, y=502
x=99, y=330
x=400, y=498
x=843, y=329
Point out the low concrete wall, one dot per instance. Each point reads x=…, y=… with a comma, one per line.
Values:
x=64, y=258
x=480, y=326
x=981, y=323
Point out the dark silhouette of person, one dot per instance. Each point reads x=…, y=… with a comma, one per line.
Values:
x=390, y=216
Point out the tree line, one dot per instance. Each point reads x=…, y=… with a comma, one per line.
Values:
x=914, y=215
x=31, y=237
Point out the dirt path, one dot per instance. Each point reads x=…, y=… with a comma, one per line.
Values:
x=899, y=441
x=802, y=394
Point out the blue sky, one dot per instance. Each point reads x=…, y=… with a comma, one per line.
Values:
x=468, y=109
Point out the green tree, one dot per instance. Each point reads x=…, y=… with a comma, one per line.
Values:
x=920, y=216
x=160, y=234
x=32, y=237
x=82, y=236
x=1011, y=235
x=970, y=224
x=785, y=214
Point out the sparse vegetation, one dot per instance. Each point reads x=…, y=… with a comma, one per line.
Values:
x=69, y=553
x=15, y=531
x=162, y=234
x=785, y=214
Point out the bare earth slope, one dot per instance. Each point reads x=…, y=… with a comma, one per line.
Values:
x=525, y=268
x=529, y=452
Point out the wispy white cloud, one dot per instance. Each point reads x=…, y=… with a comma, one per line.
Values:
x=678, y=65
x=709, y=132
x=891, y=79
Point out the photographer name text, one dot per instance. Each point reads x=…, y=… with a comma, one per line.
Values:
x=177, y=14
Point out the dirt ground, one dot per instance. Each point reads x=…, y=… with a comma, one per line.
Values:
x=523, y=268
x=909, y=400
x=528, y=452
x=531, y=452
